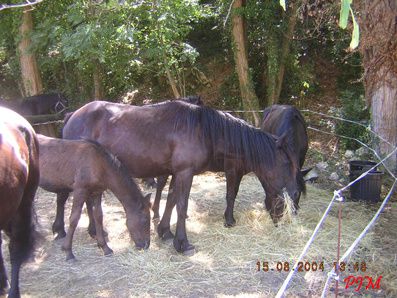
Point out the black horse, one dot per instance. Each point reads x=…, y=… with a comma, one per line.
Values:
x=286, y=119
x=39, y=104
x=150, y=182
x=19, y=178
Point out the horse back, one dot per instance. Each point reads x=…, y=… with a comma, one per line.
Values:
x=144, y=138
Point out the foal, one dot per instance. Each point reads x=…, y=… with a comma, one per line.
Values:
x=87, y=169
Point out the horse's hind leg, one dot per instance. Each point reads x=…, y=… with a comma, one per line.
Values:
x=98, y=217
x=78, y=202
x=22, y=235
x=91, y=221
x=58, y=227
x=161, y=182
x=3, y=275
x=233, y=181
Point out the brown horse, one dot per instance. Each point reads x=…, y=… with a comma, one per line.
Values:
x=19, y=178
x=87, y=169
x=182, y=139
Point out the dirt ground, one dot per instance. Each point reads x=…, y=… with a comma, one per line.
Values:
x=225, y=263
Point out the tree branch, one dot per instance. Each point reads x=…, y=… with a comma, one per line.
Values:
x=28, y=3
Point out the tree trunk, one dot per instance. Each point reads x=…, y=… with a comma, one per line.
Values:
x=98, y=86
x=379, y=49
x=30, y=74
x=172, y=83
x=285, y=49
x=29, y=70
x=249, y=98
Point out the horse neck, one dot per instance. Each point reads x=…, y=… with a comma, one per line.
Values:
x=124, y=188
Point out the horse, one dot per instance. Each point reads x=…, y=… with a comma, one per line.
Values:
x=38, y=104
x=87, y=169
x=150, y=182
x=286, y=119
x=181, y=139
x=19, y=179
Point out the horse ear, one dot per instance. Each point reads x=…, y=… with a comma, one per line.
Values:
x=282, y=140
x=306, y=171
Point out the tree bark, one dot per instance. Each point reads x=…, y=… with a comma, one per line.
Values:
x=98, y=86
x=285, y=49
x=249, y=98
x=378, y=26
x=29, y=70
x=172, y=83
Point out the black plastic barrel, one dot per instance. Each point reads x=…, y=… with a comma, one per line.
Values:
x=367, y=188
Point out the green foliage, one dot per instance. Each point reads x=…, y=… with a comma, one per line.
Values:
x=344, y=16
x=353, y=108
x=133, y=44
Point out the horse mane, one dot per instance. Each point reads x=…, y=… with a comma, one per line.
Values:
x=118, y=166
x=240, y=139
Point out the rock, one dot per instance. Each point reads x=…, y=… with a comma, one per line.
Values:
x=361, y=151
x=322, y=165
x=349, y=154
x=334, y=176
x=311, y=176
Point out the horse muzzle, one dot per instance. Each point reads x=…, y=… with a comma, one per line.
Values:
x=144, y=245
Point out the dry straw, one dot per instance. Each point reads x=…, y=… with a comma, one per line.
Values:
x=226, y=261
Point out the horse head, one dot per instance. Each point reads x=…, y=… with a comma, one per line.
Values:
x=285, y=177
x=62, y=104
x=138, y=223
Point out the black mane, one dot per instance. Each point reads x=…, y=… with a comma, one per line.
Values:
x=240, y=139
x=118, y=166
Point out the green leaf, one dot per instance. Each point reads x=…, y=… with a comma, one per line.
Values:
x=356, y=33
x=282, y=3
x=344, y=13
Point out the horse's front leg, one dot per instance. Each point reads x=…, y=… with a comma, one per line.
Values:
x=58, y=227
x=79, y=197
x=161, y=182
x=182, y=185
x=98, y=217
x=3, y=275
x=233, y=180
x=163, y=229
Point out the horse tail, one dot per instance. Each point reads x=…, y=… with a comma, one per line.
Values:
x=22, y=227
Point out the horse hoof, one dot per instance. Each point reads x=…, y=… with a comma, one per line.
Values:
x=70, y=257
x=60, y=236
x=167, y=236
x=184, y=247
x=164, y=232
x=92, y=234
x=229, y=224
x=108, y=252
x=189, y=252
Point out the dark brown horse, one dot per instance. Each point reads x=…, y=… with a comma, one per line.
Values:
x=182, y=139
x=38, y=104
x=287, y=120
x=19, y=178
x=87, y=169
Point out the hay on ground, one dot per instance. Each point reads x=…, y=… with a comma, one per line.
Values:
x=226, y=261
